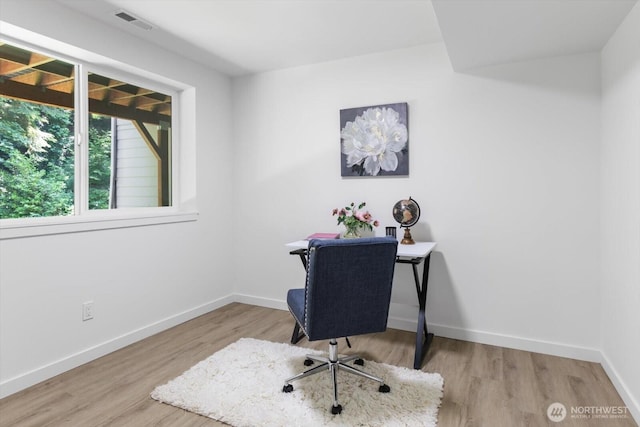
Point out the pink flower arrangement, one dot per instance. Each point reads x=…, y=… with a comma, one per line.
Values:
x=354, y=217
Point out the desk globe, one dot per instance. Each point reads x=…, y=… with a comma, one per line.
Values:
x=407, y=213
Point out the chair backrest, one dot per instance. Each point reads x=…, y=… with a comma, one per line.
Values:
x=348, y=288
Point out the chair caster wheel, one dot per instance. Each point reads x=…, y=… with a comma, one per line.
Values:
x=384, y=388
x=287, y=388
x=336, y=409
x=358, y=362
x=308, y=362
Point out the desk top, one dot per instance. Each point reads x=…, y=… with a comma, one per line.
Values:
x=419, y=250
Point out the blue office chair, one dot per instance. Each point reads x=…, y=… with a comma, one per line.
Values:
x=347, y=293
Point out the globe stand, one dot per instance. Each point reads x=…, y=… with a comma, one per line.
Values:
x=407, y=239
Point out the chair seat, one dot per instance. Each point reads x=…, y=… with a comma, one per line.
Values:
x=295, y=301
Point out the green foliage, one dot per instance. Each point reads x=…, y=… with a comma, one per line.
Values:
x=99, y=161
x=354, y=217
x=26, y=191
x=37, y=160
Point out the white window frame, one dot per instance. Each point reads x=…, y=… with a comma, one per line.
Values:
x=84, y=219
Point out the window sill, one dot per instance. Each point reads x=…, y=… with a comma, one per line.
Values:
x=33, y=227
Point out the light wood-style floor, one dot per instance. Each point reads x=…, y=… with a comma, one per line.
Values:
x=484, y=385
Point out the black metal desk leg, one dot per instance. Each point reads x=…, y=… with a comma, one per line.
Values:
x=297, y=333
x=423, y=337
x=303, y=256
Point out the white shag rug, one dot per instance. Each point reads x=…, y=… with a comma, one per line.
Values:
x=241, y=385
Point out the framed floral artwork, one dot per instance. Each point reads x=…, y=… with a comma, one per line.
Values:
x=374, y=141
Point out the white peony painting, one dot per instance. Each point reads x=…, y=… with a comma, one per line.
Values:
x=374, y=140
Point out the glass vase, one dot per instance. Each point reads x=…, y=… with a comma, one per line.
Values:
x=352, y=233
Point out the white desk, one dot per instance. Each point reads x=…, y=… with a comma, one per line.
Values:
x=415, y=254
x=419, y=250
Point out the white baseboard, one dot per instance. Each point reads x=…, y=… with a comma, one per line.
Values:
x=20, y=382
x=398, y=320
x=35, y=376
x=632, y=403
x=261, y=302
x=518, y=343
x=501, y=340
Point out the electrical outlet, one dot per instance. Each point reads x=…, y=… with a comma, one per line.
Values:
x=87, y=311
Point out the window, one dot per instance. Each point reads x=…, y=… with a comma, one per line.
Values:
x=36, y=135
x=48, y=109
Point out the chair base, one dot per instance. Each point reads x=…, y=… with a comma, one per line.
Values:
x=333, y=363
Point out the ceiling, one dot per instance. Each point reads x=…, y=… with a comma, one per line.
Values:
x=487, y=32
x=241, y=37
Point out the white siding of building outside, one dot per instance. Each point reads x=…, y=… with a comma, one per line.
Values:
x=137, y=169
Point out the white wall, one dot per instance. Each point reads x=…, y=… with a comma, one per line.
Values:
x=140, y=279
x=136, y=168
x=621, y=209
x=504, y=164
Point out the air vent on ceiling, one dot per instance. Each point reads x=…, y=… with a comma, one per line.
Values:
x=126, y=16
